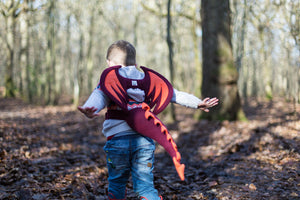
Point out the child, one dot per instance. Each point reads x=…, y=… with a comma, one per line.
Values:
x=128, y=151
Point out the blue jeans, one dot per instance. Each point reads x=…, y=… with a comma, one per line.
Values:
x=130, y=154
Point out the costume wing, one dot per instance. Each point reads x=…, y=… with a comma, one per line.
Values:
x=111, y=86
x=160, y=90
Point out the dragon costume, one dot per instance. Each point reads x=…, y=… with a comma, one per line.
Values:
x=158, y=93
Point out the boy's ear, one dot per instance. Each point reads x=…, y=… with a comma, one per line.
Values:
x=110, y=63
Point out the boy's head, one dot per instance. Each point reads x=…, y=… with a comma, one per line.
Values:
x=121, y=53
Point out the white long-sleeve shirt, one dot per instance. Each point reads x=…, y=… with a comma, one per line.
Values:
x=116, y=127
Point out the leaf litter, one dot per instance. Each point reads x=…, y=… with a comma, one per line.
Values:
x=54, y=152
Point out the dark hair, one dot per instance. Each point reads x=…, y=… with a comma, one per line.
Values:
x=127, y=48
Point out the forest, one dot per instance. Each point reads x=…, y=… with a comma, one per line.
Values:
x=246, y=53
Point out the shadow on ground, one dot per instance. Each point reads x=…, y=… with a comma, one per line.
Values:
x=56, y=153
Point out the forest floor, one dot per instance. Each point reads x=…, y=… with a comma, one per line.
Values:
x=54, y=152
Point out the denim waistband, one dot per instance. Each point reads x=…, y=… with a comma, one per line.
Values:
x=129, y=136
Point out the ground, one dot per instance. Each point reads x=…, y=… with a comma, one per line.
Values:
x=54, y=152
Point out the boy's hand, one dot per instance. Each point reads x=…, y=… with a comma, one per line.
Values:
x=207, y=103
x=88, y=111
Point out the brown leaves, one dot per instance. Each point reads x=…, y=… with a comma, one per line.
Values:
x=251, y=187
x=212, y=183
x=56, y=153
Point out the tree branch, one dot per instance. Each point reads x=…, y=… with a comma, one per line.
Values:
x=172, y=14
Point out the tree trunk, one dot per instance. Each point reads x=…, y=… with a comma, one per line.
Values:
x=90, y=64
x=170, y=46
x=51, y=56
x=76, y=87
x=241, y=48
x=27, y=56
x=68, y=53
x=10, y=26
x=196, y=51
x=219, y=72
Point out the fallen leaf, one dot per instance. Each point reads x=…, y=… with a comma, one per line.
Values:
x=252, y=187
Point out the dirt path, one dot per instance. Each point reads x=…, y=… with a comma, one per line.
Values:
x=56, y=153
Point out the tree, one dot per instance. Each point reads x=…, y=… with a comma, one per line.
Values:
x=293, y=20
x=46, y=42
x=51, y=55
x=30, y=91
x=241, y=31
x=170, y=46
x=10, y=11
x=219, y=72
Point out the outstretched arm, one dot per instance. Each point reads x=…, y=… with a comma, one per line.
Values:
x=88, y=111
x=95, y=103
x=208, y=103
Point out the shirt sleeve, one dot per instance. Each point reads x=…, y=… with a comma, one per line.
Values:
x=97, y=99
x=185, y=99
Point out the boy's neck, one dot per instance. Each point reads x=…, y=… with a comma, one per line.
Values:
x=128, y=66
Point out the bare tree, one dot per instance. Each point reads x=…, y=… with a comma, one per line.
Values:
x=90, y=64
x=10, y=10
x=51, y=92
x=170, y=46
x=219, y=72
x=293, y=20
x=241, y=30
x=42, y=45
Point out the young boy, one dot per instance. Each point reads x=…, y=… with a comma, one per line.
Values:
x=126, y=150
